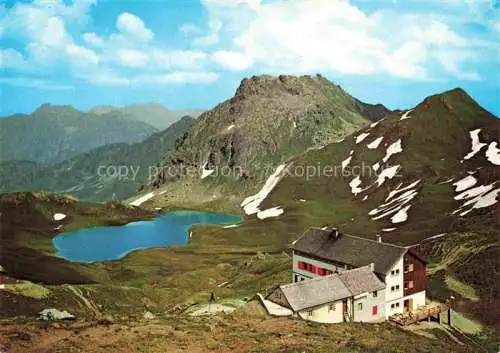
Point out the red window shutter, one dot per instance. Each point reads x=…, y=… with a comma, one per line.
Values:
x=313, y=269
x=300, y=265
x=374, y=310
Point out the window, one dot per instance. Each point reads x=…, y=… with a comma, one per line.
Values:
x=409, y=285
x=375, y=294
x=397, y=287
x=374, y=310
x=395, y=272
x=409, y=268
x=393, y=306
x=301, y=265
x=397, y=305
x=360, y=306
x=331, y=307
x=310, y=313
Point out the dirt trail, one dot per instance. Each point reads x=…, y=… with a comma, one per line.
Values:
x=91, y=306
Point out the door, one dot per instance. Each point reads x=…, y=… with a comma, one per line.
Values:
x=408, y=305
x=344, y=305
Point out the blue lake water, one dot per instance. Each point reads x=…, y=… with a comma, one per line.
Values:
x=114, y=242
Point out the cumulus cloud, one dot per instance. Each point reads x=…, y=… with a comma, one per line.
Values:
x=232, y=60
x=279, y=36
x=134, y=27
x=129, y=55
x=338, y=37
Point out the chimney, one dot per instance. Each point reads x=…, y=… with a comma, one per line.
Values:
x=379, y=238
x=372, y=267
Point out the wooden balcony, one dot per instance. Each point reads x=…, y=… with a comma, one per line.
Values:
x=422, y=313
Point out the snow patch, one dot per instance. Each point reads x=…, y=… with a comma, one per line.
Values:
x=397, y=203
x=387, y=173
x=294, y=124
x=375, y=143
x=346, y=162
x=465, y=183
x=388, y=229
x=375, y=123
x=401, y=215
x=162, y=192
x=392, y=149
x=406, y=115
x=59, y=216
x=270, y=212
x=361, y=137
x=355, y=185
x=365, y=198
x=206, y=172
x=230, y=127
x=399, y=189
x=479, y=197
x=447, y=181
x=231, y=226
x=476, y=144
x=251, y=204
x=493, y=153
x=139, y=201
x=479, y=190
x=376, y=166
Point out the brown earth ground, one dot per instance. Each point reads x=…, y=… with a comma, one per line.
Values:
x=247, y=330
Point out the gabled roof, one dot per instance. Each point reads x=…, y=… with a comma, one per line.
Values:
x=361, y=280
x=328, y=244
x=322, y=290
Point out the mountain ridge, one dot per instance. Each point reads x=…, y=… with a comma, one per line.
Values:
x=152, y=113
x=53, y=133
x=269, y=118
x=79, y=175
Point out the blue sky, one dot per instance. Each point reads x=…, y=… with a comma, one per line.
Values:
x=193, y=53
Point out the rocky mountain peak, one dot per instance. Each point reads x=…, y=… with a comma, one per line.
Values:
x=275, y=85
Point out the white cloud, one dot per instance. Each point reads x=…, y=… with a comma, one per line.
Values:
x=132, y=58
x=12, y=59
x=232, y=60
x=134, y=27
x=93, y=39
x=338, y=37
x=81, y=56
x=189, y=29
x=34, y=83
x=176, y=77
x=215, y=26
x=179, y=59
x=407, y=61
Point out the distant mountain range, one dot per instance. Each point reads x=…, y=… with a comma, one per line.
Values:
x=93, y=175
x=54, y=133
x=153, y=114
